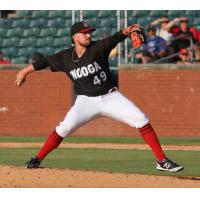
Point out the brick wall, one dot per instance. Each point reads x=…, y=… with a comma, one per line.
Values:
x=170, y=97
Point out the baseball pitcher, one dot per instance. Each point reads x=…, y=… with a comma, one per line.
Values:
x=86, y=64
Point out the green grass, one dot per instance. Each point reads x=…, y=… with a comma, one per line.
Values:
x=163, y=140
x=107, y=160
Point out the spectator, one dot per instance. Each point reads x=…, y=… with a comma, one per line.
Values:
x=163, y=31
x=184, y=57
x=184, y=32
x=36, y=56
x=154, y=49
x=2, y=60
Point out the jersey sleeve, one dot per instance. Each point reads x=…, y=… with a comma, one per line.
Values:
x=55, y=62
x=106, y=45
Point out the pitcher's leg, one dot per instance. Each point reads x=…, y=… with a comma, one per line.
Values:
x=119, y=107
x=82, y=111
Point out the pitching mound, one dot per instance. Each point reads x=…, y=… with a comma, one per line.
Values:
x=12, y=177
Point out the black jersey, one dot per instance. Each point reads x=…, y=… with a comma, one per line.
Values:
x=90, y=73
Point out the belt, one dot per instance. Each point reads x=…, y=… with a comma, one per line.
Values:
x=114, y=89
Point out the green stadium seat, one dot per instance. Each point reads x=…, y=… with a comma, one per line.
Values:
x=196, y=21
x=193, y=13
x=19, y=60
x=45, y=32
x=10, y=42
x=113, y=61
x=5, y=22
x=28, y=41
x=158, y=13
x=40, y=14
x=57, y=22
x=67, y=23
x=56, y=50
x=46, y=50
x=176, y=13
x=41, y=22
x=106, y=13
x=140, y=13
x=3, y=32
x=62, y=41
x=23, y=13
x=68, y=14
x=89, y=14
x=10, y=52
x=144, y=22
x=26, y=51
x=56, y=14
x=63, y=32
x=46, y=41
x=20, y=22
x=31, y=32
x=132, y=20
x=18, y=32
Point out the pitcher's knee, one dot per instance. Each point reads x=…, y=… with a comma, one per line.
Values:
x=64, y=131
x=141, y=120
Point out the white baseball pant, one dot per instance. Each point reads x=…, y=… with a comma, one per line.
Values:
x=113, y=105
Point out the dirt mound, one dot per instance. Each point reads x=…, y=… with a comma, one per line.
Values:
x=12, y=177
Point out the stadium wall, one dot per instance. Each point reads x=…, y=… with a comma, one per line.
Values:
x=168, y=94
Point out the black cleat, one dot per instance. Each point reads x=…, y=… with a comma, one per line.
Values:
x=168, y=165
x=33, y=163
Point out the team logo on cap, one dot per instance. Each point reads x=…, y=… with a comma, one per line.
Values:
x=85, y=24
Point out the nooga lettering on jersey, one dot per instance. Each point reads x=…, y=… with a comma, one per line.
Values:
x=85, y=71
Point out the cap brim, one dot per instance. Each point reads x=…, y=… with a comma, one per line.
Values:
x=87, y=30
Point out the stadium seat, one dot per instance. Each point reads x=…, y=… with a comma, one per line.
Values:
x=56, y=22
x=193, y=13
x=46, y=50
x=19, y=60
x=40, y=14
x=41, y=22
x=89, y=14
x=106, y=13
x=61, y=42
x=196, y=21
x=113, y=61
x=20, y=22
x=176, y=13
x=10, y=52
x=63, y=32
x=144, y=22
x=140, y=13
x=18, y=32
x=5, y=22
x=158, y=13
x=23, y=13
x=29, y=41
x=3, y=32
x=26, y=51
x=46, y=41
x=10, y=42
x=68, y=14
x=31, y=32
x=56, y=13
x=132, y=20
x=45, y=32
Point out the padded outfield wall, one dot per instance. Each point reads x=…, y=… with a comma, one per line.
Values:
x=168, y=94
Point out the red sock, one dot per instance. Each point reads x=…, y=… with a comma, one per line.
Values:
x=151, y=139
x=51, y=143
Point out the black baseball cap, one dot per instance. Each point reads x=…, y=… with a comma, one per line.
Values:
x=81, y=27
